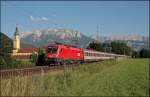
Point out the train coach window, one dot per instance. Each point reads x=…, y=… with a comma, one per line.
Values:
x=86, y=54
x=97, y=55
x=94, y=54
x=89, y=54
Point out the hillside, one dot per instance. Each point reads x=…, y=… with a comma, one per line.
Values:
x=127, y=77
x=42, y=37
x=5, y=43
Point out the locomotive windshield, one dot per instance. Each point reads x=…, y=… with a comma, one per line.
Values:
x=52, y=50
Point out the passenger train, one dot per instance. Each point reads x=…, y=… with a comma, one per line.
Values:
x=61, y=54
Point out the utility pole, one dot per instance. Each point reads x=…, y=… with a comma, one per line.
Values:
x=97, y=35
x=124, y=51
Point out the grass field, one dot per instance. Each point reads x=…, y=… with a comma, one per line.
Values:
x=127, y=77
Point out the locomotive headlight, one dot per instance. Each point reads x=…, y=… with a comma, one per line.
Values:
x=78, y=54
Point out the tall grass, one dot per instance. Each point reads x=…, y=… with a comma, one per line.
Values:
x=17, y=64
x=128, y=77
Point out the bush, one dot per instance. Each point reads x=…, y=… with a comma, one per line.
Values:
x=143, y=53
x=41, y=57
x=33, y=57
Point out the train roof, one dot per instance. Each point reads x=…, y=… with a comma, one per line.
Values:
x=58, y=43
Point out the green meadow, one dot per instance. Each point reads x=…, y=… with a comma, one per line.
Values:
x=124, y=77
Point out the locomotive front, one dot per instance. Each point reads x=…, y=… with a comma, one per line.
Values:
x=51, y=56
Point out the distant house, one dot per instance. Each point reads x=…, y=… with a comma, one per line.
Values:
x=21, y=53
x=24, y=53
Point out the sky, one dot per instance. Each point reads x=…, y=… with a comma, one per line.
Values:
x=110, y=17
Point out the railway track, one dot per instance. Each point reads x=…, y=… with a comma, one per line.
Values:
x=27, y=71
x=9, y=73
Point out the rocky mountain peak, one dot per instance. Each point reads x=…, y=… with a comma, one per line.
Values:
x=43, y=36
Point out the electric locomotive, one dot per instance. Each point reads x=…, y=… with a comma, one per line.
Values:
x=62, y=54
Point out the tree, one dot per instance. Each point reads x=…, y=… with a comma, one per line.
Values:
x=135, y=54
x=144, y=53
x=6, y=47
x=107, y=47
x=120, y=48
x=33, y=57
x=41, y=57
x=95, y=46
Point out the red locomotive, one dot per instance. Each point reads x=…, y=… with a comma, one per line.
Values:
x=62, y=54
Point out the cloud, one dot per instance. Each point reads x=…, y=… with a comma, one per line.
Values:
x=38, y=19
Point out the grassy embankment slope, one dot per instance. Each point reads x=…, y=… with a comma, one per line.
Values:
x=127, y=77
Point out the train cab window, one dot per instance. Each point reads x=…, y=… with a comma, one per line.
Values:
x=52, y=49
x=61, y=50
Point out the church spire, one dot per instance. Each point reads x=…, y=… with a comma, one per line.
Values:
x=16, y=41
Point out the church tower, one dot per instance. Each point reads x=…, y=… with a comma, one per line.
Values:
x=16, y=41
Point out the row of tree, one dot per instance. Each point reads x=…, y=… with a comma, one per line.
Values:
x=143, y=53
x=111, y=47
x=119, y=47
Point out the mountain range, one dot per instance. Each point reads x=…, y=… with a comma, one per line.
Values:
x=40, y=38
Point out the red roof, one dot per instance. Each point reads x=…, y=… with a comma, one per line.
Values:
x=28, y=50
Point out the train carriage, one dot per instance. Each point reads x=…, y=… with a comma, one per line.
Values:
x=90, y=55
